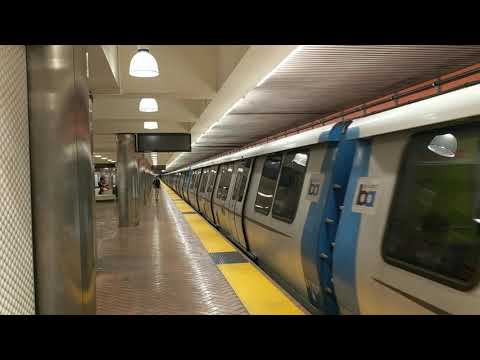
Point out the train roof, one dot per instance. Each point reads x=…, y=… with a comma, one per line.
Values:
x=449, y=106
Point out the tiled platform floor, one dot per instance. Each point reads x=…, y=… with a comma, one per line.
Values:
x=158, y=267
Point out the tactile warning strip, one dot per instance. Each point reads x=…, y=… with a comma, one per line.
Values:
x=228, y=258
x=258, y=293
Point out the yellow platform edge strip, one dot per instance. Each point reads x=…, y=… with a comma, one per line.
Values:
x=256, y=292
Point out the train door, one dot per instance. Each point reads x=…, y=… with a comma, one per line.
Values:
x=191, y=188
x=220, y=196
x=195, y=189
x=230, y=203
x=209, y=198
x=179, y=184
x=242, y=175
x=186, y=184
x=202, y=189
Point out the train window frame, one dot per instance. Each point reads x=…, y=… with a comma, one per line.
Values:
x=222, y=172
x=255, y=208
x=241, y=194
x=199, y=176
x=222, y=194
x=236, y=186
x=205, y=174
x=406, y=266
x=212, y=179
x=285, y=153
x=191, y=185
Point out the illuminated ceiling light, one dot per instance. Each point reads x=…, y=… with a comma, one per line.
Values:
x=148, y=105
x=297, y=49
x=232, y=107
x=477, y=221
x=216, y=122
x=98, y=156
x=143, y=64
x=104, y=158
x=443, y=145
x=150, y=125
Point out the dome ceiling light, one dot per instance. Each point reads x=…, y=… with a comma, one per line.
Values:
x=143, y=64
x=148, y=105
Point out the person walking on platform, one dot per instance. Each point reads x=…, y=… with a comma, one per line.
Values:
x=156, y=186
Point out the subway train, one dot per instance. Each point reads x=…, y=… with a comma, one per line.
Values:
x=379, y=215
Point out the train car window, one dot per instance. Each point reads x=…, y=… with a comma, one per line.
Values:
x=268, y=182
x=290, y=186
x=224, y=182
x=243, y=169
x=211, y=180
x=192, y=180
x=203, y=181
x=434, y=224
x=197, y=180
x=221, y=181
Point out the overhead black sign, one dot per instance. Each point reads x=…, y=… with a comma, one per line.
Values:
x=104, y=166
x=158, y=167
x=165, y=142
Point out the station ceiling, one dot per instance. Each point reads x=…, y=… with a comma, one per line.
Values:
x=198, y=84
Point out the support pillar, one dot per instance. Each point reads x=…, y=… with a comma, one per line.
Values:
x=61, y=177
x=127, y=181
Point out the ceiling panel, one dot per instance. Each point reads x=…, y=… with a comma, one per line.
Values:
x=323, y=79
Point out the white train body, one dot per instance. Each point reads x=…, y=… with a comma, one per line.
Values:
x=360, y=217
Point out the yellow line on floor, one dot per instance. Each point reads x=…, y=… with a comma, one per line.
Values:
x=257, y=293
x=211, y=239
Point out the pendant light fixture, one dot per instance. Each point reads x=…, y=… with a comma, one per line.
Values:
x=143, y=64
x=148, y=105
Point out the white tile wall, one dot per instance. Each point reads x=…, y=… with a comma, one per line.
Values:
x=17, y=295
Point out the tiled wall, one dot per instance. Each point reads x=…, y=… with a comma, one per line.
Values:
x=17, y=295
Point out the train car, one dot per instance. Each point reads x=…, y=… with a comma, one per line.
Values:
x=376, y=216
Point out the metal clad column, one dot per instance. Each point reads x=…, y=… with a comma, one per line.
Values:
x=127, y=180
x=62, y=172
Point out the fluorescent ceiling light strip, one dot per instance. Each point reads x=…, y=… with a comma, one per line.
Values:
x=223, y=116
x=232, y=107
x=297, y=49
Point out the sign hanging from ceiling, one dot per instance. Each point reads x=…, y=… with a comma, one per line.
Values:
x=164, y=142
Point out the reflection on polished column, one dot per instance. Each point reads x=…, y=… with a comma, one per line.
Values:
x=127, y=181
x=61, y=172
x=146, y=179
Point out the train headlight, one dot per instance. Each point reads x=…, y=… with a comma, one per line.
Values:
x=444, y=145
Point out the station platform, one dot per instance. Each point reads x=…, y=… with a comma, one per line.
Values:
x=176, y=263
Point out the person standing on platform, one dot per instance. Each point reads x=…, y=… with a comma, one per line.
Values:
x=156, y=186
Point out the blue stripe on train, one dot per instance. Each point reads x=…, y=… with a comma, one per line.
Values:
x=344, y=259
x=318, y=234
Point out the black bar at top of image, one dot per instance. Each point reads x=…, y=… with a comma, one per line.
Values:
x=262, y=24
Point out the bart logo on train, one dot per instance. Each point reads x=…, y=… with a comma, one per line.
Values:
x=366, y=195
